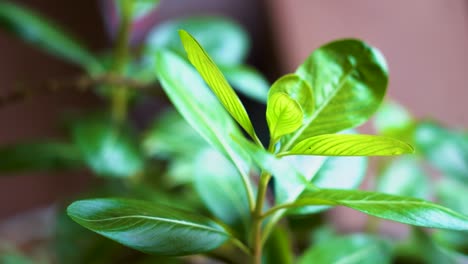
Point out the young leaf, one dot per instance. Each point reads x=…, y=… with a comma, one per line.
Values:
x=203, y=112
x=298, y=90
x=220, y=187
x=46, y=35
x=446, y=150
x=108, y=150
x=40, y=155
x=225, y=41
x=216, y=81
x=350, y=145
x=147, y=227
x=405, y=177
x=283, y=114
x=402, y=209
x=349, y=79
x=353, y=249
x=248, y=81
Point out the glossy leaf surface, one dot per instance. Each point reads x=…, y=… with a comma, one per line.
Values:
x=33, y=156
x=354, y=249
x=402, y=209
x=148, y=227
x=107, y=149
x=349, y=79
x=298, y=89
x=216, y=81
x=224, y=40
x=350, y=145
x=248, y=81
x=283, y=114
x=44, y=34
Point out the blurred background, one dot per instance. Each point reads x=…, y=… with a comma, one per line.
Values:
x=425, y=43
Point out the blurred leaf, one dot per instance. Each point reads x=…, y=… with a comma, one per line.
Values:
x=108, y=150
x=224, y=40
x=140, y=7
x=336, y=173
x=14, y=258
x=278, y=248
x=147, y=227
x=402, y=209
x=446, y=150
x=248, y=81
x=394, y=121
x=283, y=114
x=220, y=187
x=34, y=156
x=216, y=81
x=453, y=195
x=405, y=177
x=44, y=34
x=358, y=249
x=349, y=79
x=350, y=145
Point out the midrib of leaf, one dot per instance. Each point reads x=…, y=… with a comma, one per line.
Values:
x=153, y=218
x=279, y=118
x=307, y=123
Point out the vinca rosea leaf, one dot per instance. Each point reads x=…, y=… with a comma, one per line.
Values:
x=42, y=33
x=350, y=145
x=348, y=79
x=283, y=114
x=216, y=81
x=402, y=209
x=148, y=227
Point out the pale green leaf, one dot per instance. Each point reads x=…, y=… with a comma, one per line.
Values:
x=350, y=145
x=283, y=114
x=393, y=119
x=248, y=81
x=42, y=33
x=353, y=249
x=348, y=79
x=148, y=227
x=402, y=209
x=216, y=81
x=453, y=195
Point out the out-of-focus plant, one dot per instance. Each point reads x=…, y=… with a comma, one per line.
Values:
x=149, y=163
x=338, y=87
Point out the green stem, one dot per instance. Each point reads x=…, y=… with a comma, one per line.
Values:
x=121, y=57
x=256, y=239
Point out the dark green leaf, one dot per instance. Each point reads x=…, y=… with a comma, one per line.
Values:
x=446, y=150
x=34, y=156
x=284, y=115
x=216, y=81
x=348, y=79
x=405, y=177
x=248, y=81
x=108, y=150
x=402, y=209
x=46, y=35
x=350, y=145
x=224, y=40
x=148, y=227
x=354, y=249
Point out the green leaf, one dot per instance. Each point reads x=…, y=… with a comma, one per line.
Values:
x=336, y=173
x=283, y=114
x=278, y=248
x=298, y=90
x=147, y=227
x=393, y=120
x=446, y=150
x=142, y=7
x=248, y=81
x=39, y=155
x=402, y=209
x=42, y=33
x=216, y=81
x=14, y=258
x=224, y=40
x=405, y=177
x=453, y=195
x=349, y=79
x=107, y=149
x=202, y=110
x=220, y=187
x=350, y=145
x=358, y=249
